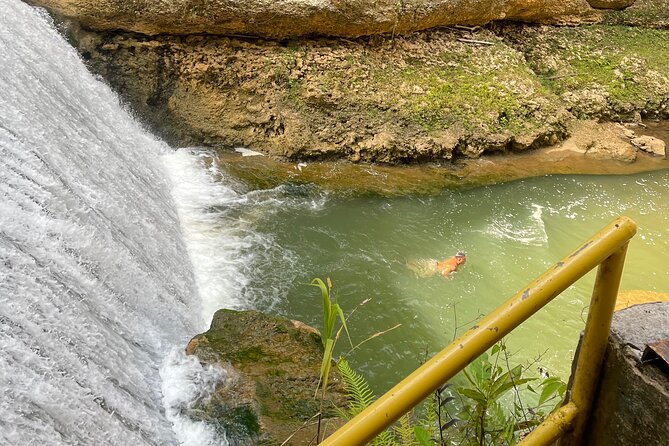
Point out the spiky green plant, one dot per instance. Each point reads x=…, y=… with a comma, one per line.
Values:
x=329, y=337
x=331, y=310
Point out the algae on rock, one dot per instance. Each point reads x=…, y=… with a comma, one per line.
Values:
x=273, y=366
x=602, y=71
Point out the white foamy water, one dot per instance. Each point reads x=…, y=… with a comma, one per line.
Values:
x=185, y=383
x=524, y=229
x=96, y=287
x=219, y=247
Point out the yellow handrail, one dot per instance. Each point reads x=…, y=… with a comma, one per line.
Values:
x=607, y=248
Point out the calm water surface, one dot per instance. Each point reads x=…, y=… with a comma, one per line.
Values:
x=511, y=233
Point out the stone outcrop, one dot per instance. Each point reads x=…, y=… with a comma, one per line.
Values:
x=418, y=98
x=294, y=18
x=650, y=144
x=431, y=96
x=632, y=407
x=272, y=366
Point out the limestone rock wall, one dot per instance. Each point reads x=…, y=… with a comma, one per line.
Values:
x=279, y=19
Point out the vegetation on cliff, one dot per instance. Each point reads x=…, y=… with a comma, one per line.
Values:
x=429, y=96
x=615, y=73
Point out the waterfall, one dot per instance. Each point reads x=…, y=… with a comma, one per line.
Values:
x=96, y=289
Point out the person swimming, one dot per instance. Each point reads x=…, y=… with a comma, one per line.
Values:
x=430, y=267
x=451, y=265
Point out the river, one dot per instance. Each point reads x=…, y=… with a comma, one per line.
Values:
x=510, y=232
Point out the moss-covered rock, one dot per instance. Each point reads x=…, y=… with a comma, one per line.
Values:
x=645, y=13
x=273, y=366
x=606, y=72
x=425, y=97
x=428, y=97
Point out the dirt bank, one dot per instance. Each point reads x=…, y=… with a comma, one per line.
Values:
x=592, y=149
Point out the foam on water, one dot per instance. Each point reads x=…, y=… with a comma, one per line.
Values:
x=185, y=383
x=218, y=247
x=524, y=229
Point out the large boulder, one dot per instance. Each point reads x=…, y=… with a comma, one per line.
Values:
x=273, y=366
x=291, y=18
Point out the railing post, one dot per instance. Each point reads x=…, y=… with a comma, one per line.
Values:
x=593, y=345
x=552, y=428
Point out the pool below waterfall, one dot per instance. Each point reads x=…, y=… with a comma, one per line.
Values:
x=511, y=233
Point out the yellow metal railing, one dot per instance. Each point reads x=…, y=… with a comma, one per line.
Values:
x=607, y=249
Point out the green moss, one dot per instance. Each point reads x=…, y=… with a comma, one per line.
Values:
x=237, y=422
x=473, y=101
x=630, y=66
x=479, y=90
x=250, y=354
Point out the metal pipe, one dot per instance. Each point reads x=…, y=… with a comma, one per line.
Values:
x=552, y=428
x=452, y=359
x=593, y=345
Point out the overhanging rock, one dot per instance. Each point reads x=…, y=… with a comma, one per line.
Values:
x=283, y=19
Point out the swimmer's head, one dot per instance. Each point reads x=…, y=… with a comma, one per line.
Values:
x=461, y=257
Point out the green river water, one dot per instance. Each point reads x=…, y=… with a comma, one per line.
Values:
x=511, y=233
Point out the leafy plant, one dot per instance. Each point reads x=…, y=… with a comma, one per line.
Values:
x=360, y=397
x=329, y=337
x=487, y=415
x=488, y=404
x=331, y=310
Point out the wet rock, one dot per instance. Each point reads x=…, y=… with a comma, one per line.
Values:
x=650, y=144
x=272, y=365
x=617, y=150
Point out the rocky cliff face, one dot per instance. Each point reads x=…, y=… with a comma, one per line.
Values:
x=418, y=98
x=437, y=95
x=294, y=18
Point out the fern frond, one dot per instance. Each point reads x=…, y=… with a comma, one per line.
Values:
x=429, y=419
x=385, y=438
x=404, y=429
x=360, y=396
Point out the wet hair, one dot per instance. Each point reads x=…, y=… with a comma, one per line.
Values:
x=460, y=254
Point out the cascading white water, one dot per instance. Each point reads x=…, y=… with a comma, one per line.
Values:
x=96, y=288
